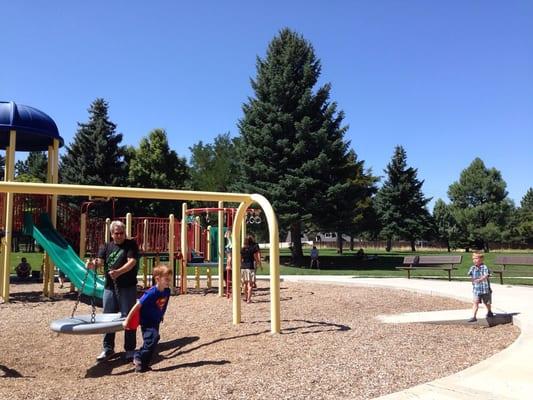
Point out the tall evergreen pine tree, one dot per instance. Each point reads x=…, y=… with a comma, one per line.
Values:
x=95, y=156
x=292, y=148
x=400, y=203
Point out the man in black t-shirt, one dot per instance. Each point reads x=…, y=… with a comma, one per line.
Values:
x=119, y=259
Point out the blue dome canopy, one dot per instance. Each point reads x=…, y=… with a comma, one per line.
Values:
x=35, y=130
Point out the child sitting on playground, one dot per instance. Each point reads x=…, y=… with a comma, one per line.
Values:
x=23, y=270
x=152, y=307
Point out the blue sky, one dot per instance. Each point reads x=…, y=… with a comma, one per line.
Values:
x=449, y=80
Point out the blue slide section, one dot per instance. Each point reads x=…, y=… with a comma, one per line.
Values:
x=63, y=255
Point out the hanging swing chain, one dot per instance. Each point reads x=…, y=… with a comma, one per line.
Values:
x=93, y=303
x=80, y=292
x=93, y=300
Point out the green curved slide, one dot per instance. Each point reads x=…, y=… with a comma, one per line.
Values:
x=63, y=255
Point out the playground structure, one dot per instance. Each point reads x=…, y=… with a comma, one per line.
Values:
x=27, y=129
x=86, y=234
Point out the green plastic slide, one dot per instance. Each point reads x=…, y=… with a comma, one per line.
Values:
x=63, y=255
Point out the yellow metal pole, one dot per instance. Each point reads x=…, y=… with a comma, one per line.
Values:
x=83, y=238
x=184, y=248
x=197, y=228
x=83, y=234
x=197, y=278
x=46, y=263
x=236, y=261
x=47, y=270
x=208, y=255
x=9, y=176
x=145, y=246
x=54, y=166
x=243, y=229
x=4, y=269
x=2, y=266
x=2, y=242
x=128, y=225
x=107, y=230
x=208, y=275
x=275, y=305
x=115, y=191
x=171, y=246
x=220, y=249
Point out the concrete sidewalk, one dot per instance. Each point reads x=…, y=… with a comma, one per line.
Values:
x=506, y=375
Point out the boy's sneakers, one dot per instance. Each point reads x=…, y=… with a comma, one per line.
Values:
x=105, y=355
x=139, y=366
x=490, y=314
x=473, y=319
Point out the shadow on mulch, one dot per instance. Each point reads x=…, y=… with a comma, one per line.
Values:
x=33, y=297
x=37, y=297
x=9, y=373
x=309, y=326
x=107, y=367
x=214, y=290
x=191, y=365
x=261, y=292
x=176, y=345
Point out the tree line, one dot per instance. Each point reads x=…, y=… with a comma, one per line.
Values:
x=292, y=149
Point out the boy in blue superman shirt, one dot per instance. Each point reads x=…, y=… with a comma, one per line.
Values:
x=152, y=306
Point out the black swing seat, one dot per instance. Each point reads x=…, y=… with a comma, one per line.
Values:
x=82, y=325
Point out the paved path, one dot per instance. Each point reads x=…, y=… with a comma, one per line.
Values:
x=506, y=375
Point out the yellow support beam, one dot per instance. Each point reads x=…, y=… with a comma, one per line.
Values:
x=171, y=222
x=6, y=251
x=236, y=260
x=115, y=191
x=220, y=249
x=184, y=249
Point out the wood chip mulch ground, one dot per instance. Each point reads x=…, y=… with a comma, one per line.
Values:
x=331, y=347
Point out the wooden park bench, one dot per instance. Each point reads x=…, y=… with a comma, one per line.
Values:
x=503, y=261
x=445, y=263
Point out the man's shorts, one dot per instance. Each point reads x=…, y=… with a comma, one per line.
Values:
x=247, y=275
x=485, y=298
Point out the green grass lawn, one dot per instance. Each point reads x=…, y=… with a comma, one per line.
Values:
x=383, y=265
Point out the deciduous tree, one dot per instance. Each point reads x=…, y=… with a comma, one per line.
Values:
x=214, y=165
x=155, y=165
x=480, y=205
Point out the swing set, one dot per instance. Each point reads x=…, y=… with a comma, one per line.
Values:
x=101, y=323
